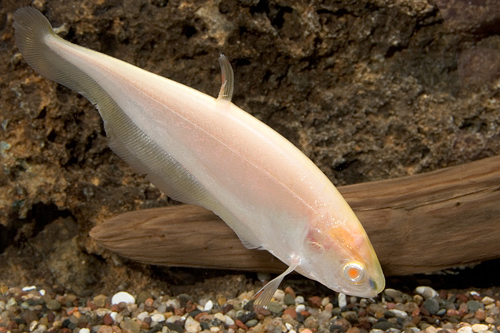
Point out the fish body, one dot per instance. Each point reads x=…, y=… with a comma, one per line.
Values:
x=209, y=152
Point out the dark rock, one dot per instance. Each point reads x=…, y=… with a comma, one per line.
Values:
x=337, y=329
x=247, y=316
x=288, y=300
x=474, y=306
x=175, y=327
x=384, y=325
x=431, y=305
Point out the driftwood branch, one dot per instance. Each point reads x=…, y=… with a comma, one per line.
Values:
x=417, y=224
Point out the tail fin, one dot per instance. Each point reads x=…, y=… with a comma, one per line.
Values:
x=33, y=31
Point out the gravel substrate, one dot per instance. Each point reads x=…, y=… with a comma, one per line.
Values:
x=33, y=309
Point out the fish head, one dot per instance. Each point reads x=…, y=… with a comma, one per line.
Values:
x=338, y=254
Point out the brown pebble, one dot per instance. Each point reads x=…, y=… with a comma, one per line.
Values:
x=234, y=327
x=416, y=320
x=227, y=308
x=290, y=291
x=105, y=329
x=115, y=308
x=190, y=306
x=66, y=330
x=346, y=325
x=353, y=330
x=291, y=312
x=424, y=311
x=51, y=316
x=12, y=325
x=480, y=314
x=148, y=305
x=261, y=313
x=462, y=297
x=199, y=315
x=116, y=329
x=108, y=320
x=240, y=324
x=179, y=311
x=463, y=309
x=305, y=313
x=451, y=312
x=314, y=301
x=91, y=305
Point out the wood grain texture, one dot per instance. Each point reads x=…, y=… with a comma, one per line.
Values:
x=417, y=224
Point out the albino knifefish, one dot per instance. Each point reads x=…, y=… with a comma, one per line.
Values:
x=209, y=152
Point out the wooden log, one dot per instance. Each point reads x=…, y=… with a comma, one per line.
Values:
x=417, y=224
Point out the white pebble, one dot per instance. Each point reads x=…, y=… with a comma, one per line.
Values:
x=214, y=329
x=426, y=292
x=33, y=325
x=84, y=330
x=292, y=331
x=288, y=326
x=113, y=315
x=42, y=292
x=124, y=297
x=431, y=329
x=299, y=300
x=229, y=321
x=479, y=327
x=10, y=303
x=342, y=300
x=158, y=318
x=399, y=313
x=141, y=316
x=487, y=300
x=173, y=319
x=393, y=330
x=29, y=288
x=40, y=329
x=173, y=302
x=325, y=301
x=220, y=316
x=376, y=330
x=208, y=306
x=465, y=329
x=279, y=295
x=192, y=326
x=101, y=312
x=299, y=308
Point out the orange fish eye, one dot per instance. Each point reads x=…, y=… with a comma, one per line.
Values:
x=354, y=272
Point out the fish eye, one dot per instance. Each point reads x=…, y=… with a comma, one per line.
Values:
x=354, y=272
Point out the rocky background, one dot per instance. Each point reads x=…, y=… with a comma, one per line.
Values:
x=368, y=89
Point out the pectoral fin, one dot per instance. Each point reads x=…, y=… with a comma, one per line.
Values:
x=264, y=296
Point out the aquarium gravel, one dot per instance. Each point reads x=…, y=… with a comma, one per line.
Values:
x=33, y=309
